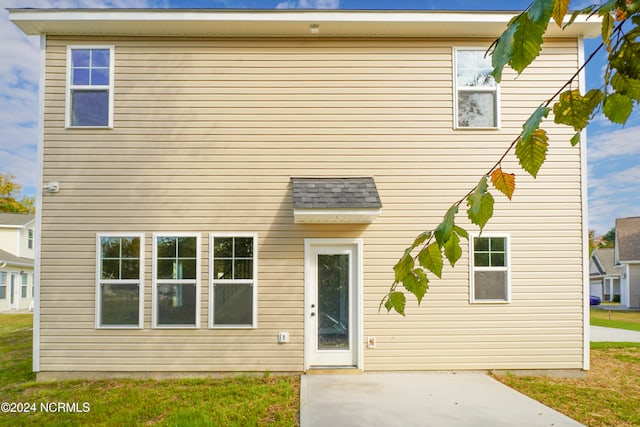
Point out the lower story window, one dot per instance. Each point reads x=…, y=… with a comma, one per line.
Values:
x=490, y=275
x=176, y=283
x=120, y=279
x=233, y=282
x=3, y=285
x=24, y=285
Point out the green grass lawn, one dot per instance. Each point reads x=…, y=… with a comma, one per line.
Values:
x=608, y=396
x=237, y=401
x=616, y=319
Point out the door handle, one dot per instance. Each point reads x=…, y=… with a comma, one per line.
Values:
x=313, y=314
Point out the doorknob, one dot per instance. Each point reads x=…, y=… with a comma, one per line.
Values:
x=313, y=314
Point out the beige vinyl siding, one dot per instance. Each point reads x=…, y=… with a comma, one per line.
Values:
x=207, y=133
x=634, y=285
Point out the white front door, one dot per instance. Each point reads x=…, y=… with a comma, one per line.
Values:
x=332, y=297
x=13, y=291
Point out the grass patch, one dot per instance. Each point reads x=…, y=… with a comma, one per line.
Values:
x=608, y=396
x=616, y=319
x=237, y=401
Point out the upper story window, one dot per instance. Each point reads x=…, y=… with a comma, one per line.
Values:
x=30, y=238
x=120, y=280
x=490, y=270
x=233, y=280
x=476, y=92
x=90, y=86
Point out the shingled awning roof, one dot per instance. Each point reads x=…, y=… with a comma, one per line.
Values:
x=334, y=200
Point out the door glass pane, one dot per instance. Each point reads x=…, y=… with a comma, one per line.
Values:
x=333, y=302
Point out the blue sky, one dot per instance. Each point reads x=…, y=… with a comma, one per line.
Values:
x=613, y=151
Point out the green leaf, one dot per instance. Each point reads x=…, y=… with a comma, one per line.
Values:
x=443, y=231
x=404, y=265
x=617, y=108
x=422, y=237
x=452, y=249
x=560, y=9
x=397, y=301
x=527, y=43
x=461, y=232
x=625, y=59
x=574, y=109
x=575, y=139
x=417, y=283
x=533, y=122
x=503, y=52
x=540, y=12
x=607, y=28
x=480, y=204
x=532, y=152
x=587, y=10
x=504, y=182
x=431, y=258
x=625, y=85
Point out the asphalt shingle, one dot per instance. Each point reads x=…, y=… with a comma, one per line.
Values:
x=335, y=193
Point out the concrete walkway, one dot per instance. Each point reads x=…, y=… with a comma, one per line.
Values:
x=428, y=398
x=419, y=399
x=600, y=333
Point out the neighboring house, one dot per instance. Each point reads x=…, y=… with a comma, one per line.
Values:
x=17, y=243
x=627, y=257
x=605, y=275
x=228, y=191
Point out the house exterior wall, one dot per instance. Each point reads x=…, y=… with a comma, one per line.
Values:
x=10, y=239
x=634, y=285
x=208, y=132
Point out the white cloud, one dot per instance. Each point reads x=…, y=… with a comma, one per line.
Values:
x=309, y=4
x=615, y=143
x=613, y=195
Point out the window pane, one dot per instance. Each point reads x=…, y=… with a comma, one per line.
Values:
x=177, y=304
x=223, y=247
x=490, y=285
x=166, y=247
x=25, y=279
x=110, y=247
x=100, y=57
x=110, y=269
x=233, y=304
x=244, y=247
x=80, y=76
x=474, y=69
x=3, y=291
x=186, y=269
x=481, y=244
x=497, y=244
x=120, y=305
x=166, y=269
x=222, y=268
x=130, y=269
x=131, y=247
x=476, y=109
x=90, y=108
x=243, y=269
x=80, y=57
x=187, y=247
x=497, y=259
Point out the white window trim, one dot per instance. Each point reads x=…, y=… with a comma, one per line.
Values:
x=456, y=90
x=254, y=319
x=140, y=281
x=109, y=88
x=154, y=280
x=473, y=268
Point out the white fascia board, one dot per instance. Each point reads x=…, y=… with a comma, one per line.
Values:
x=277, y=23
x=336, y=216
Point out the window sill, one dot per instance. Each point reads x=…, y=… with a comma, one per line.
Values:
x=475, y=128
x=89, y=127
x=233, y=327
x=490, y=301
x=112, y=327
